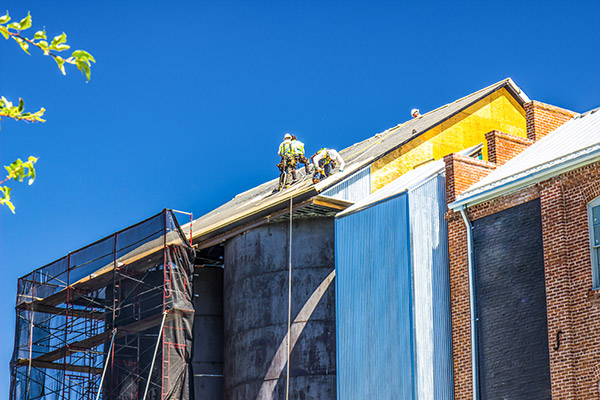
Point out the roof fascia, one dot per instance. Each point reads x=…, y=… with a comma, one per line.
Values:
x=525, y=181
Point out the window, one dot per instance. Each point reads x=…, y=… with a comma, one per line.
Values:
x=594, y=218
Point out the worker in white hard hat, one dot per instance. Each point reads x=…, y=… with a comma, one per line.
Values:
x=415, y=112
x=298, y=150
x=287, y=165
x=325, y=160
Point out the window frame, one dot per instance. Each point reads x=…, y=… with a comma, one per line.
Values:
x=593, y=254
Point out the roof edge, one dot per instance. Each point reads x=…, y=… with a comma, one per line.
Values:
x=530, y=179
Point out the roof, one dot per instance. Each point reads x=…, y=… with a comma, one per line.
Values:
x=407, y=182
x=572, y=145
x=259, y=202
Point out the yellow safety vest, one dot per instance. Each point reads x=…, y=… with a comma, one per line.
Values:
x=285, y=149
x=326, y=159
x=298, y=147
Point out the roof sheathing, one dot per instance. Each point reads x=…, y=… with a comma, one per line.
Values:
x=259, y=202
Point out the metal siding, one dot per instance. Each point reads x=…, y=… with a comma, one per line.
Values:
x=356, y=187
x=431, y=280
x=374, y=303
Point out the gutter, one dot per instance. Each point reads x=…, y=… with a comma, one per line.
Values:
x=472, y=305
x=533, y=177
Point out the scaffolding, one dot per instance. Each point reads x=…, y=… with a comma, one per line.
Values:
x=112, y=320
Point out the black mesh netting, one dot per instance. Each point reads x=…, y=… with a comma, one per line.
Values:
x=106, y=310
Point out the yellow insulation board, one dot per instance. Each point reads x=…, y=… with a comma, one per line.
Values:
x=498, y=111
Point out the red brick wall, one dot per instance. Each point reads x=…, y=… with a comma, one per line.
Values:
x=468, y=171
x=572, y=306
x=544, y=118
x=502, y=146
x=461, y=172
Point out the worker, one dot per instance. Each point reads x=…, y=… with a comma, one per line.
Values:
x=287, y=165
x=415, y=113
x=325, y=160
x=298, y=150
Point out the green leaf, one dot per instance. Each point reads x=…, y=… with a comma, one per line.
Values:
x=60, y=39
x=14, y=25
x=83, y=55
x=61, y=64
x=84, y=68
x=24, y=45
x=62, y=47
x=44, y=45
x=40, y=35
x=21, y=105
x=26, y=22
x=4, y=33
x=5, y=18
x=5, y=199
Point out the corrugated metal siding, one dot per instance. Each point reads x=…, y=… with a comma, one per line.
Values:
x=356, y=187
x=374, y=303
x=431, y=280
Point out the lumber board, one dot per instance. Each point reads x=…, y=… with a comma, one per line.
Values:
x=61, y=311
x=59, y=366
x=134, y=327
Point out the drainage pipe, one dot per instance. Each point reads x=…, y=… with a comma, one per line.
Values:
x=474, y=344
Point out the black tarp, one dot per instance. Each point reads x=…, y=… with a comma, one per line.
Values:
x=123, y=285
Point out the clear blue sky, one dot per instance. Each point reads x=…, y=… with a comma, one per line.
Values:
x=189, y=100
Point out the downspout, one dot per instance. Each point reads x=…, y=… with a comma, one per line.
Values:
x=474, y=344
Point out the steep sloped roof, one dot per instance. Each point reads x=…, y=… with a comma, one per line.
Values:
x=260, y=201
x=574, y=144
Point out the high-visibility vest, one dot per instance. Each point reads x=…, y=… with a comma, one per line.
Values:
x=298, y=147
x=326, y=159
x=285, y=149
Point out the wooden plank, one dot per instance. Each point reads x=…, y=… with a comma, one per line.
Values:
x=62, y=311
x=60, y=367
x=86, y=344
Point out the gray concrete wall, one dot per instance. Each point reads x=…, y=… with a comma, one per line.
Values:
x=256, y=312
x=207, y=360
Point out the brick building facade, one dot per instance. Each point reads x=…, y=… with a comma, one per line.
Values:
x=505, y=245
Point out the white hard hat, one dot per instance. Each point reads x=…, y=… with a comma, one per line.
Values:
x=287, y=136
x=414, y=111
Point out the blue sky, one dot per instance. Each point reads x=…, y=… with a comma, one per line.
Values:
x=189, y=100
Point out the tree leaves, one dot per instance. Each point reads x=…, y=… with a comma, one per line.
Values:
x=80, y=58
x=5, y=18
x=5, y=197
x=26, y=22
x=18, y=170
x=7, y=109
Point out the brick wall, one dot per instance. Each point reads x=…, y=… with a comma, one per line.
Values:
x=573, y=307
x=468, y=171
x=502, y=146
x=461, y=172
x=544, y=118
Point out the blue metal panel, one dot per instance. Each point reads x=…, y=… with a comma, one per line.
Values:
x=374, y=303
x=355, y=187
x=431, y=279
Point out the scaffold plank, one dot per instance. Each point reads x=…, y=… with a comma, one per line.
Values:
x=58, y=366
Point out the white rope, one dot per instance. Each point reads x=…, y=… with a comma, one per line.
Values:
x=162, y=325
x=112, y=341
x=287, y=385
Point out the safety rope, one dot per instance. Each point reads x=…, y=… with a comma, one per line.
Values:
x=287, y=384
